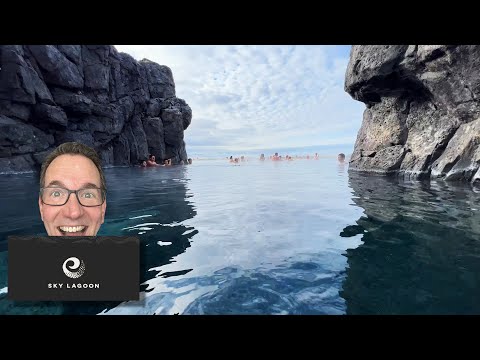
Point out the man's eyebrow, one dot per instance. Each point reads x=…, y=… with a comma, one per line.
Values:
x=87, y=185
x=56, y=183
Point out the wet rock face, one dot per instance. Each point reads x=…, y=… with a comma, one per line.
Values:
x=423, y=110
x=123, y=108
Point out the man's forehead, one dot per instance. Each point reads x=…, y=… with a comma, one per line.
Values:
x=76, y=168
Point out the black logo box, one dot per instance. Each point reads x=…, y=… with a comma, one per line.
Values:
x=111, y=268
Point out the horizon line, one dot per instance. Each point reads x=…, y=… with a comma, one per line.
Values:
x=220, y=147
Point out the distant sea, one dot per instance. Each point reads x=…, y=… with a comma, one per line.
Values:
x=201, y=152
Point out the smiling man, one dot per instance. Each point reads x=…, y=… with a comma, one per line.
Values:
x=72, y=198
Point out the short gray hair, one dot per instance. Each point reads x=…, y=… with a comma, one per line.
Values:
x=73, y=148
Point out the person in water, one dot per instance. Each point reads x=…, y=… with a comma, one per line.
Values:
x=151, y=161
x=341, y=157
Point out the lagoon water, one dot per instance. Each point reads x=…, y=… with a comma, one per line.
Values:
x=289, y=237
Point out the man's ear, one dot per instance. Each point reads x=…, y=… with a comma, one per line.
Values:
x=104, y=208
x=40, y=206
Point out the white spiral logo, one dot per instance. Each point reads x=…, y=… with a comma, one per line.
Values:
x=77, y=264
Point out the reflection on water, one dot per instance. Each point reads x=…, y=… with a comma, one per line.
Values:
x=420, y=251
x=263, y=244
x=300, y=237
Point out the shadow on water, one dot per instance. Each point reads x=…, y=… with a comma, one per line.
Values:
x=420, y=251
x=149, y=203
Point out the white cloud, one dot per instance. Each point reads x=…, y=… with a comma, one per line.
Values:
x=261, y=96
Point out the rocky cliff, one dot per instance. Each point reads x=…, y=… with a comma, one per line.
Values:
x=50, y=94
x=423, y=110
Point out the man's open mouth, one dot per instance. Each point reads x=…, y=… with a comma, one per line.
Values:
x=72, y=230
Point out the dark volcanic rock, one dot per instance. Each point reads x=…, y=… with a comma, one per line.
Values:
x=96, y=67
x=155, y=140
x=19, y=81
x=422, y=110
x=18, y=163
x=15, y=110
x=27, y=138
x=175, y=153
x=53, y=114
x=159, y=79
x=50, y=94
x=138, y=140
x=72, y=52
x=81, y=136
x=462, y=155
x=73, y=103
x=121, y=150
x=173, y=126
x=56, y=68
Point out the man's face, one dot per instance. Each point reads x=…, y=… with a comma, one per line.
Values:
x=72, y=219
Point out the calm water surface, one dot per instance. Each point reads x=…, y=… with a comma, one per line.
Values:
x=290, y=237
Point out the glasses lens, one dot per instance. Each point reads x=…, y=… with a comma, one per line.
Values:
x=54, y=196
x=90, y=197
x=59, y=196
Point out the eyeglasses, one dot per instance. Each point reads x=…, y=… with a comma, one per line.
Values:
x=57, y=196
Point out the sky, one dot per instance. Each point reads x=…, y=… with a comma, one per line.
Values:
x=260, y=96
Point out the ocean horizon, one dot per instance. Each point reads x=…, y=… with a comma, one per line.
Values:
x=205, y=152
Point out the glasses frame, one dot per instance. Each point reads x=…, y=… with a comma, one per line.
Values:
x=73, y=192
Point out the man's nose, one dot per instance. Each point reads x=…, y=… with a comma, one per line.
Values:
x=72, y=208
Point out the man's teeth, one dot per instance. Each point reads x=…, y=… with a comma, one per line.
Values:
x=72, y=228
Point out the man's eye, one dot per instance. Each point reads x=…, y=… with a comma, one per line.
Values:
x=56, y=193
x=89, y=195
